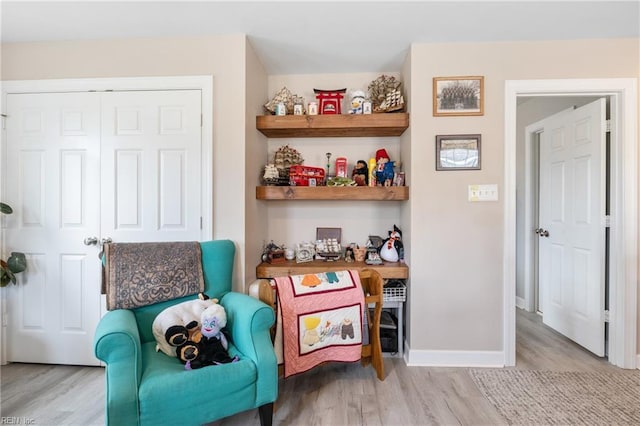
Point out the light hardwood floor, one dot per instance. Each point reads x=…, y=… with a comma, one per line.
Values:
x=333, y=394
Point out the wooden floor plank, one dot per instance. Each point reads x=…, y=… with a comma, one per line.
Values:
x=330, y=395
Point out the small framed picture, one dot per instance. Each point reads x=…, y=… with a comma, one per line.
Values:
x=366, y=107
x=456, y=96
x=458, y=152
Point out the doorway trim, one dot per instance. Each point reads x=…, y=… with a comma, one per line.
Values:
x=624, y=208
x=203, y=83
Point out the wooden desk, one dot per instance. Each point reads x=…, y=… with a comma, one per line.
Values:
x=290, y=267
x=387, y=270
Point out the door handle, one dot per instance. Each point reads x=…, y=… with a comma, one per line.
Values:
x=541, y=232
x=107, y=240
x=91, y=241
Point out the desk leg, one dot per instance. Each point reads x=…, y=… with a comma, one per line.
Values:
x=400, y=330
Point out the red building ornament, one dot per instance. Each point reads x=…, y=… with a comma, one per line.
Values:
x=330, y=101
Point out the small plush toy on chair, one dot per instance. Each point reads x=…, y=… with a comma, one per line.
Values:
x=213, y=344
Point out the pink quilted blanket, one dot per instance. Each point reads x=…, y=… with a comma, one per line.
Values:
x=321, y=319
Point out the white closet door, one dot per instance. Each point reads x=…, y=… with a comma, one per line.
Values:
x=120, y=165
x=151, y=156
x=52, y=178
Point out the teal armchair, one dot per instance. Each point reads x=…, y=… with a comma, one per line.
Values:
x=145, y=387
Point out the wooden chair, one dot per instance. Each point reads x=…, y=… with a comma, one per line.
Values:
x=372, y=283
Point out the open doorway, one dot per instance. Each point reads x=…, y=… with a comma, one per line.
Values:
x=561, y=240
x=624, y=187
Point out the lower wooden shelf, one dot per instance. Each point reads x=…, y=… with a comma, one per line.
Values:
x=387, y=270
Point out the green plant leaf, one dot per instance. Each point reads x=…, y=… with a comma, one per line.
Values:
x=17, y=262
x=6, y=276
x=5, y=208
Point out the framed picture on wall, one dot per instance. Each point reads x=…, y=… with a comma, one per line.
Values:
x=458, y=152
x=456, y=96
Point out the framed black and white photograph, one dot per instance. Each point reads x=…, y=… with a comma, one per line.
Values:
x=458, y=152
x=456, y=96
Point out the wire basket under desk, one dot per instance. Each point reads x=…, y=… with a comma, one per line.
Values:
x=394, y=294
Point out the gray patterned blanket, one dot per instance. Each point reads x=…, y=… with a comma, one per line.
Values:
x=140, y=274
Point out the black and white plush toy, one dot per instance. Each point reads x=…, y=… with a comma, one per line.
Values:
x=177, y=328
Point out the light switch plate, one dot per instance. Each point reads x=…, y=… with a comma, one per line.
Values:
x=483, y=192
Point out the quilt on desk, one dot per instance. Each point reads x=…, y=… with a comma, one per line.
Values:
x=321, y=319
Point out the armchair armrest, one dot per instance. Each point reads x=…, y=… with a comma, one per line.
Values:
x=249, y=322
x=117, y=343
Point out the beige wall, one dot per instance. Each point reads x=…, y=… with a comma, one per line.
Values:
x=221, y=56
x=256, y=225
x=456, y=253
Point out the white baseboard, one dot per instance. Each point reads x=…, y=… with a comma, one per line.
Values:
x=520, y=302
x=417, y=358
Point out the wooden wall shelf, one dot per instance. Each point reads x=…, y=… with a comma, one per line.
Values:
x=342, y=125
x=290, y=267
x=356, y=193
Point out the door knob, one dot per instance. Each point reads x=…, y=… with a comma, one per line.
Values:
x=91, y=241
x=107, y=240
x=541, y=232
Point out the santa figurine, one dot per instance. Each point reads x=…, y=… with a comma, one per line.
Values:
x=384, y=168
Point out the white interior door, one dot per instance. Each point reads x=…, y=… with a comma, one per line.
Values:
x=151, y=166
x=120, y=165
x=52, y=178
x=571, y=227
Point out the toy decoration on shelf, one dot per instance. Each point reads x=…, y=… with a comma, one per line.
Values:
x=305, y=252
x=392, y=249
x=277, y=173
x=360, y=174
x=384, y=168
x=386, y=95
x=273, y=253
x=330, y=100
x=341, y=181
x=328, y=249
x=283, y=96
x=271, y=175
x=357, y=102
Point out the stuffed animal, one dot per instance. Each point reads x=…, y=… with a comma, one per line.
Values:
x=212, y=348
x=178, y=326
x=360, y=173
x=392, y=249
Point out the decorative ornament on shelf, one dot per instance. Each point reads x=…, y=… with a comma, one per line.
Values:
x=283, y=96
x=357, y=102
x=392, y=249
x=283, y=159
x=386, y=95
x=330, y=100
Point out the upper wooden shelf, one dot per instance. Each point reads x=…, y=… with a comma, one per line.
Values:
x=341, y=125
x=357, y=193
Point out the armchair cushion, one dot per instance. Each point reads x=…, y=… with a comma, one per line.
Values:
x=172, y=395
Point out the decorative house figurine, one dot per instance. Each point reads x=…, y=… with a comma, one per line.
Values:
x=330, y=100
